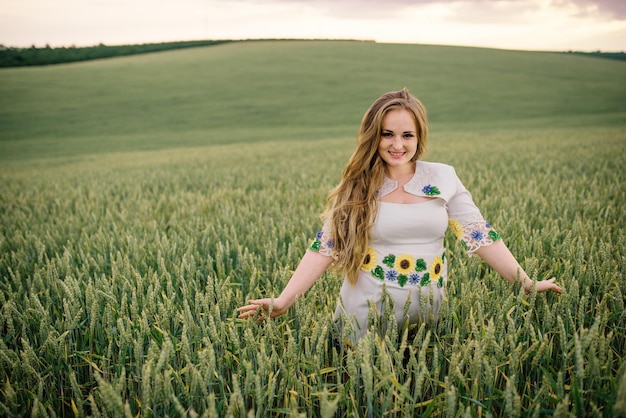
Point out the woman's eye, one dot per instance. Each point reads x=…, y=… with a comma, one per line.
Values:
x=387, y=134
x=409, y=136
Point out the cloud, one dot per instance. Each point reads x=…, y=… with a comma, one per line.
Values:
x=344, y=9
x=615, y=9
x=517, y=24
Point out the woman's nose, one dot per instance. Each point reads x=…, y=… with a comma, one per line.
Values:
x=397, y=142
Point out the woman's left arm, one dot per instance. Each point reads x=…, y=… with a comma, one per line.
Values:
x=498, y=256
x=469, y=225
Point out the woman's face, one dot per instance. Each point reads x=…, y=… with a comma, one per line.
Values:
x=398, y=139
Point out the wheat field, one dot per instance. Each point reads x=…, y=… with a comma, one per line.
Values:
x=121, y=272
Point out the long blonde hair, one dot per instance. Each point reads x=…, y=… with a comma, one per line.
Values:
x=353, y=205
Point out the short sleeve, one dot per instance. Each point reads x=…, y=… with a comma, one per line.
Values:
x=466, y=221
x=324, y=243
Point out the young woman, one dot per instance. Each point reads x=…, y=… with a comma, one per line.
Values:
x=385, y=224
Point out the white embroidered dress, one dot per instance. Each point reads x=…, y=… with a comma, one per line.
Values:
x=406, y=257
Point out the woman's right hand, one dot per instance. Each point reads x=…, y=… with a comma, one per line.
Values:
x=263, y=306
x=311, y=267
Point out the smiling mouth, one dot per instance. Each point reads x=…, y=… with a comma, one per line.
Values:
x=396, y=154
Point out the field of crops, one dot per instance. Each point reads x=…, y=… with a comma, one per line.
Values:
x=130, y=235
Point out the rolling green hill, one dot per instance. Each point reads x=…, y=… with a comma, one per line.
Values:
x=293, y=90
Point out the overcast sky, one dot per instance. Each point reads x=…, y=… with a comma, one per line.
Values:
x=584, y=25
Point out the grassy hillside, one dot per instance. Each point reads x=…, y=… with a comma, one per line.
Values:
x=292, y=90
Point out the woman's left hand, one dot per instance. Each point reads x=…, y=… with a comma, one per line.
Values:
x=543, y=285
x=262, y=308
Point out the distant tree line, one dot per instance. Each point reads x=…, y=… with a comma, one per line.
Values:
x=612, y=55
x=20, y=57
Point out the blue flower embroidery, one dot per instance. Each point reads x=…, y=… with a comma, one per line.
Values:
x=414, y=278
x=477, y=235
x=392, y=275
x=430, y=190
x=488, y=225
x=317, y=243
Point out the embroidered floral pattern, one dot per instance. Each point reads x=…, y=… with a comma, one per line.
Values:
x=475, y=234
x=404, y=269
x=315, y=246
x=436, y=267
x=405, y=264
x=425, y=173
x=430, y=190
x=370, y=259
x=378, y=272
x=391, y=275
x=435, y=271
x=389, y=260
x=324, y=245
x=420, y=265
x=402, y=279
x=456, y=228
x=494, y=235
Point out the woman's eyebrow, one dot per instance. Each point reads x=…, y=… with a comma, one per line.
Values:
x=405, y=132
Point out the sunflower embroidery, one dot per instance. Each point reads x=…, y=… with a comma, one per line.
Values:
x=370, y=259
x=404, y=269
x=405, y=264
x=456, y=228
x=436, y=268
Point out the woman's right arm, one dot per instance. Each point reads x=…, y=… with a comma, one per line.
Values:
x=311, y=267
